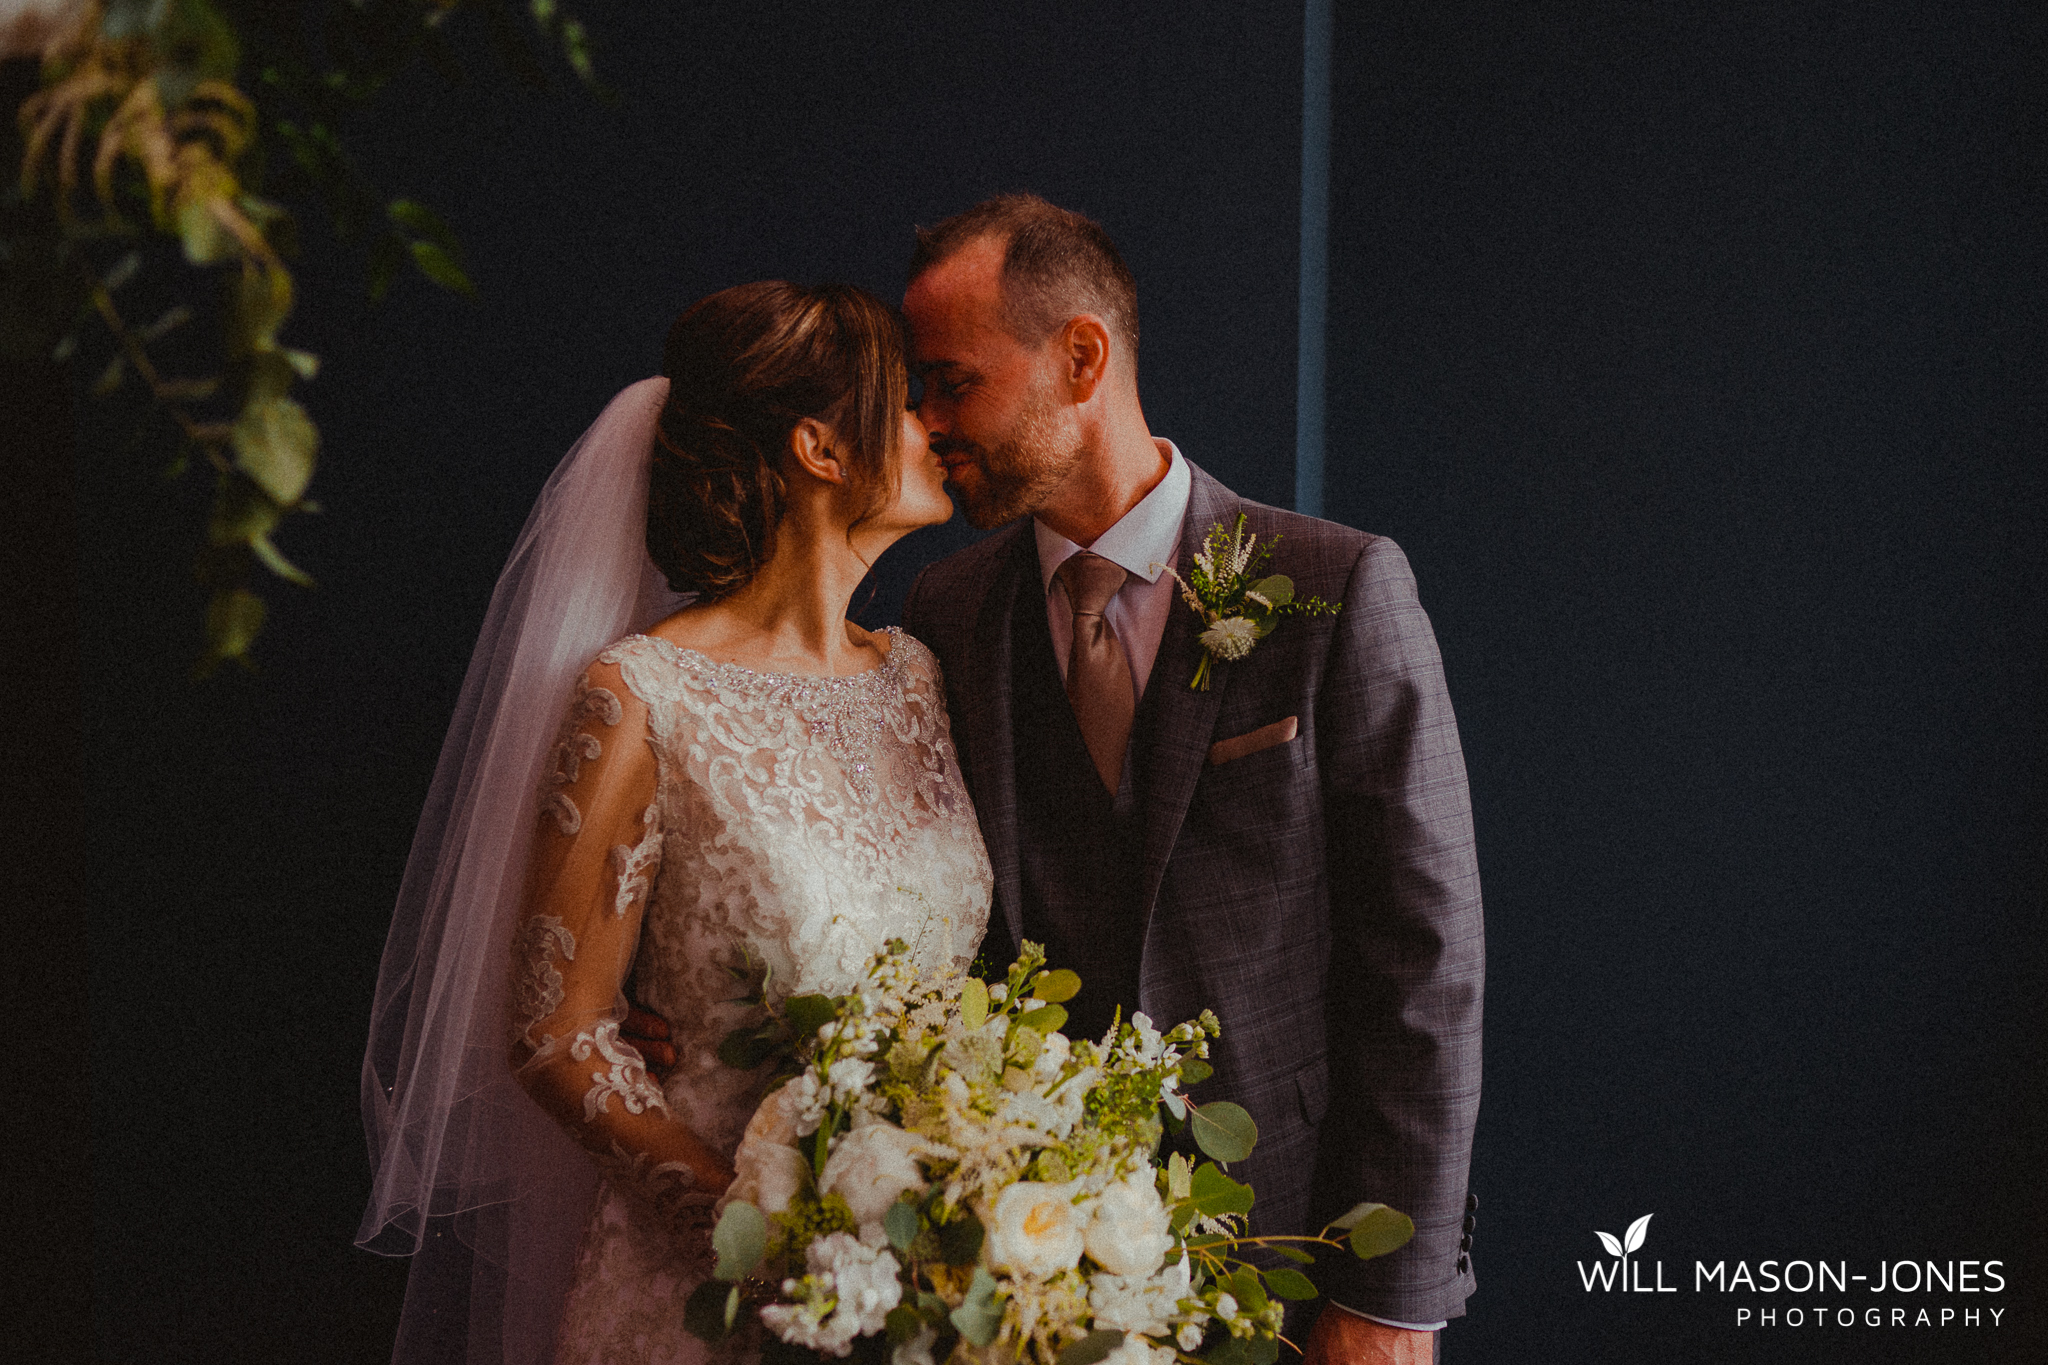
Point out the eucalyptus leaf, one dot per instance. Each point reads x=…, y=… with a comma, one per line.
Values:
x=1193, y=1071
x=1091, y=1349
x=900, y=1223
x=1246, y=1288
x=263, y=300
x=1290, y=1284
x=1380, y=1231
x=1277, y=589
x=740, y=1239
x=960, y=1243
x=973, y=1004
x=273, y=559
x=1224, y=1130
x=704, y=1311
x=234, y=618
x=443, y=269
x=1056, y=988
x=1178, y=1178
x=1229, y=1351
x=241, y=513
x=807, y=1014
x=979, y=1317
x=421, y=221
x=1211, y=1192
x=1295, y=1254
x=206, y=239
x=274, y=444
x=903, y=1323
x=1045, y=1019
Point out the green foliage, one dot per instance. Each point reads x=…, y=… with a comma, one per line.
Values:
x=981, y=1314
x=711, y=1310
x=1380, y=1231
x=1223, y=1130
x=1224, y=587
x=212, y=124
x=1091, y=1349
x=960, y=1241
x=973, y=1005
x=1056, y=987
x=901, y=1225
x=740, y=1239
x=1290, y=1284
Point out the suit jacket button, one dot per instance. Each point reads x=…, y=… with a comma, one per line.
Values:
x=1464, y=1264
x=1471, y=1221
x=1471, y=1203
x=1465, y=1242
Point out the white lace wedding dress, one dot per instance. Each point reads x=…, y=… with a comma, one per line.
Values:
x=796, y=824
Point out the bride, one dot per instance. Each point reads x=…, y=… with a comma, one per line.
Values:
x=745, y=790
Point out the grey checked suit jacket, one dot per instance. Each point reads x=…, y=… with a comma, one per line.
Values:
x=1321, y=895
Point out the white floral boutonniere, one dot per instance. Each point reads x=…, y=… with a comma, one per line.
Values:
x=1238, y=607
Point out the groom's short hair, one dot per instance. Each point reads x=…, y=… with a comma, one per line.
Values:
x=1057, y=264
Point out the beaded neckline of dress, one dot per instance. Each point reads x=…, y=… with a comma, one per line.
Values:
x=844, y=713
x=791, y=686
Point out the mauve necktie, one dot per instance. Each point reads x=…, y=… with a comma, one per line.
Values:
x=1098, y=676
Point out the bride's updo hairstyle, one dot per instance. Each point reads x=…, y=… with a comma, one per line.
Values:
x=744, y=367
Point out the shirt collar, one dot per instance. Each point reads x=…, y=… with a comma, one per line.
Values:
x=1142, y=540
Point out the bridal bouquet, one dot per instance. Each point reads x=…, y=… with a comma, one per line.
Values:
x=943, y=1176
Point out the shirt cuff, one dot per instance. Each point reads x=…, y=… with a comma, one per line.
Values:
x=1389, y=1322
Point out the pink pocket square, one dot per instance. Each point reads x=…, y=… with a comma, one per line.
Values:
x=1265, y=737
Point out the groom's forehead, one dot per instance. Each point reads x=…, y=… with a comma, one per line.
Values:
x=962, y=293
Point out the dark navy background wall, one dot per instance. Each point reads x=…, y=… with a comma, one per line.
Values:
x=1694, y=355
x=1696, y=361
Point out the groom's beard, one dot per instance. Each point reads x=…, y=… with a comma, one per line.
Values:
x=1017, y=475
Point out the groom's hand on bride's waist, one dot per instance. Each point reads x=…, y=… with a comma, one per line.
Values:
x=649, y=1034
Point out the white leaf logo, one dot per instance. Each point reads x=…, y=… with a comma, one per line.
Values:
x=1638, y=1232
x=1607, y=1240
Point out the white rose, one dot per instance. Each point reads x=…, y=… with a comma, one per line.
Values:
x=1037, y=1230
x=870, y=1167
x=1129, y=1232
x=768, y=1170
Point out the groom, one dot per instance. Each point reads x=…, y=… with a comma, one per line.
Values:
x=1291, y=847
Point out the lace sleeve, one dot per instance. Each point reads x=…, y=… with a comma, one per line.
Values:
x=597, y=853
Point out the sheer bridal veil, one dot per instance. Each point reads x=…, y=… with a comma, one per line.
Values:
x=470, y=1177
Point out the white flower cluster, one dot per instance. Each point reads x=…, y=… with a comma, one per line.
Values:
x=954, y=1102
x=848, y=1294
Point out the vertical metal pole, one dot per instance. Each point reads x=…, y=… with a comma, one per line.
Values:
x=1315, y=257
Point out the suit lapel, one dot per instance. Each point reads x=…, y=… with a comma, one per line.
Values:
x=985, y=707
x=1177, y=723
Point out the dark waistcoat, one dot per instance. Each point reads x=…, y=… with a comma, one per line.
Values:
x=1080, y=851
